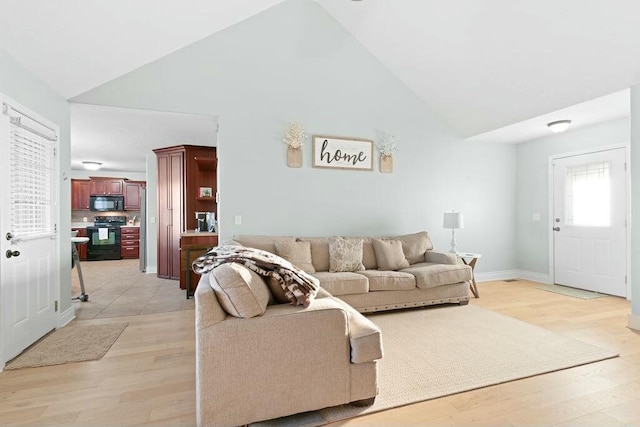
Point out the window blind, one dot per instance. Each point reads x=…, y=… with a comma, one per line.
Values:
x=33, y=187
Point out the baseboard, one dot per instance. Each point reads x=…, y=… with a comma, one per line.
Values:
x=496, y=275
x=633, y=322
x=66, y=316
x=512, y=274
x=534, y=277
x=151, y=269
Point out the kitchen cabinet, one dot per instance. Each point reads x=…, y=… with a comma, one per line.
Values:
x=192, y=245
x=129, y=242
x=80, y=191
x=106, y=186
x=179, y=182
x=132, y=195
x=82, y=248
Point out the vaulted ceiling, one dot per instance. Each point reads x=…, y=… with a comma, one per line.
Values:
x=493, y=69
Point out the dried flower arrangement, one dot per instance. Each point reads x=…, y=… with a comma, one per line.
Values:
x=388, y=145
x=294, y=136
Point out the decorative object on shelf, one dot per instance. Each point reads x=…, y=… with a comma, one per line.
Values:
x=342, y=153
x=294, y=137
x=387, y=148
x=206, y=192
x=453, y=220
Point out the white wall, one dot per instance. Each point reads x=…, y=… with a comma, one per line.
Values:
x=152, y=209
x=86, y=174
x=295, y=62
x=634, y=319
x=21, y=85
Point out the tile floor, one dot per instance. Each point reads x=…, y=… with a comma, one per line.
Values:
x=118, y=288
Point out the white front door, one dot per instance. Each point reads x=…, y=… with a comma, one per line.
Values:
x=29, y=266
x=589, y=221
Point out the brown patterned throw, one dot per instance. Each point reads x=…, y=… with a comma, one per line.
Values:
x=299, y=287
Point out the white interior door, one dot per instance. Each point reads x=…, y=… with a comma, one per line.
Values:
x=589, y=222
x=29, y=266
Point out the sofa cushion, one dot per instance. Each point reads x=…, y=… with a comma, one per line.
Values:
x=368, y=254
x=266, y=243
x=319, y=252
x=429, y=275
x=389, y=280
x=415, y=245
x=343, y=283
x=345, y=254
x=389, y=254
x=297, y=253
x=240, y=291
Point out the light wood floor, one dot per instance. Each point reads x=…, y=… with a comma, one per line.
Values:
x=147, y=377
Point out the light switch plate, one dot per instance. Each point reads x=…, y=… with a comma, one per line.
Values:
x=238, y=220
x=535, y=217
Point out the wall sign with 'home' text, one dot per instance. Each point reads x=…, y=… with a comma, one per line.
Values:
x=342, y=153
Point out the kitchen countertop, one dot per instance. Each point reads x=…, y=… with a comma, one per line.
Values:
x=197, y=234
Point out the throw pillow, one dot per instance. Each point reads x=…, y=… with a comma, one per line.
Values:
x=345, y=254
x=389, y=254
x=415, y=245
x=297, y=253
x=240, y=291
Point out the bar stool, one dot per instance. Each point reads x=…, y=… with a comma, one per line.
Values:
x=76, y=261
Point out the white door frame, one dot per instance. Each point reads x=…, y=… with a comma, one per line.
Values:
x=627, y=160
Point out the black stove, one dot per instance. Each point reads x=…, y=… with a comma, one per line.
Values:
x=105, y=238
x=109, y=221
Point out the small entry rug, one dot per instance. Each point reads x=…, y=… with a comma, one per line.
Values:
x=435, y=352
x=69, y=344
x=571, y=292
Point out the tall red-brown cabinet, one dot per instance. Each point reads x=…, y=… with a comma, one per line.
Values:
x=180, y=178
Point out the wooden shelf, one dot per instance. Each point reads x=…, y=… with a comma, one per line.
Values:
x=206, y=199
x=205, y=163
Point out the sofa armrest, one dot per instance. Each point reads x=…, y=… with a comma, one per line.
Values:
x=441, y=257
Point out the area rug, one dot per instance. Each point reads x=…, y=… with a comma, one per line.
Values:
x=69, y=344
x=435, y=352
x=570, y=292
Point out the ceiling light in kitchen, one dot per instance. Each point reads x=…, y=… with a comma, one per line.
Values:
x=93, y=166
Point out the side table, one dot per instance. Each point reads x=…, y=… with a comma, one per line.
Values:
x=473, y=259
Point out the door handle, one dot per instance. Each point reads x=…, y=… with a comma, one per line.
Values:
x=556, y=228
x=11, y=253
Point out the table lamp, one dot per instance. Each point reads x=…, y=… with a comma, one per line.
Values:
x=453, y=220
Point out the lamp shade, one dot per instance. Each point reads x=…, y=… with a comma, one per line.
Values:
x=453, y=220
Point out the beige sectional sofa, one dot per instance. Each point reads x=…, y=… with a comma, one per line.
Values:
x=431, y=278
x=257, y=359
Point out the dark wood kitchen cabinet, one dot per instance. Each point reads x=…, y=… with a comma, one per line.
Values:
x=129, y=242
x=80, y=191
x=106, y=186
x=179, y=183
x=132, y=195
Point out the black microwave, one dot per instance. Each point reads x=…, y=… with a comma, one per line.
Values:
x=106, y=203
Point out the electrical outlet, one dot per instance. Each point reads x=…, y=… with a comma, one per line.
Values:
x=535, y=216
x=238, y=220
x=152, y=219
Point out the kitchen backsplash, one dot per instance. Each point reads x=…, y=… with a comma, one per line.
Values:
x=87, y=216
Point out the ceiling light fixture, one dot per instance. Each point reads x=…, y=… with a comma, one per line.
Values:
x=559, y=125
x=92, y=166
